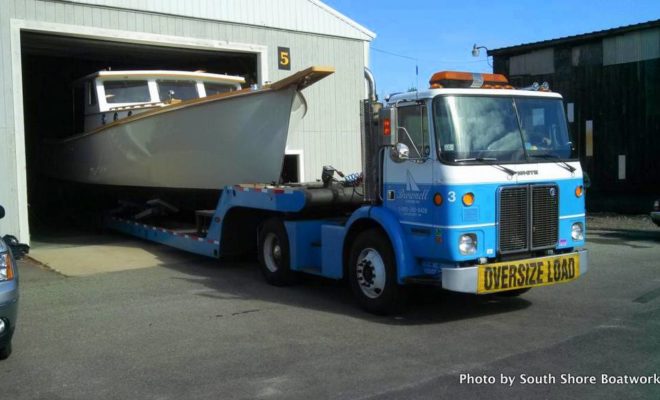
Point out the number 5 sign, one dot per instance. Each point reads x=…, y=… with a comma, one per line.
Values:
x=283, y=58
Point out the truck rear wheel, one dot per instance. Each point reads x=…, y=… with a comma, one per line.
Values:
x=372, y=273
x=274, y=259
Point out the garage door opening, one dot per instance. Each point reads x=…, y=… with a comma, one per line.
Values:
x=50, y=64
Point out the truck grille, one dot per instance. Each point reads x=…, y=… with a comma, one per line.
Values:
x=545, y=216
x=528, y=218
x=513, y=224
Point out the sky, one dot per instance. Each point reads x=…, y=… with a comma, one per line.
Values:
x=438, y=35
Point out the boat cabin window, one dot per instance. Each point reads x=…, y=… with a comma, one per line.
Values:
x=177, y=89
x=215, y=88
x=126, y=91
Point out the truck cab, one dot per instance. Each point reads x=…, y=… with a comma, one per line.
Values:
x=481, y=173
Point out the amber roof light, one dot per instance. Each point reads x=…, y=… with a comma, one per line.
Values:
x=455, y=79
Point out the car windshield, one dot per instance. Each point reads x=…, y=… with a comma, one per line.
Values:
x=505, y=129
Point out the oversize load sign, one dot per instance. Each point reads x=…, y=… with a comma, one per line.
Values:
x=527, y=273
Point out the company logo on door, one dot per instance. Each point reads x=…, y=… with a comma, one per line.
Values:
x=412, y=190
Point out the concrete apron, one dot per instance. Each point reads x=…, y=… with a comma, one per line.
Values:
x=97, y=254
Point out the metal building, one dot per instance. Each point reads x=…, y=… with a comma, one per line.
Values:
x=610, y=81
x=45, y=44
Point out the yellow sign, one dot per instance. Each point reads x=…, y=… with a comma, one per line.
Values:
x=531, y=272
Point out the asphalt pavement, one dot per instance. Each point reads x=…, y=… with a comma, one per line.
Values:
x=203, y=329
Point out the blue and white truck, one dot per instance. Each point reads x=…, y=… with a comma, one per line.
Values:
x=471, y=184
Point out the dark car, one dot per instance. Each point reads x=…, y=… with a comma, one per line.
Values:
x=9, y=247
x=655, y=214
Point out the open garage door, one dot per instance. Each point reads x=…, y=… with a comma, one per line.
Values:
x=52, y=62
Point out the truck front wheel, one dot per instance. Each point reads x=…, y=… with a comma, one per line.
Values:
x=372, y=273
x=274, y=253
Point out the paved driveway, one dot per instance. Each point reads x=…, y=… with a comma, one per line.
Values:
x=194, y=328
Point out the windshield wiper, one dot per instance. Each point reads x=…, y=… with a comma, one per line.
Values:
x=486, y=160
x=557, y=161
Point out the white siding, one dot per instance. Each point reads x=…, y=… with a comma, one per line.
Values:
x=8, y=163
x=310, y=16
x=329, y=134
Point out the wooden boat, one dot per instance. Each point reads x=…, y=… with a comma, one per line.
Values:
x=179, y=130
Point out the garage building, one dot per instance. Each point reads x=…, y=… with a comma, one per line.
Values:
x=47, y=44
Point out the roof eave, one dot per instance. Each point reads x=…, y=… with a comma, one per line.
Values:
x=585, y=37
x=369, y=35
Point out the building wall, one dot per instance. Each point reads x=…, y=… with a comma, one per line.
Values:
x=329, y=134
x=294, y=15
x=614, y=83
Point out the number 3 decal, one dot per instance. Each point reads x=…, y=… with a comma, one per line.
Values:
x=451, y=196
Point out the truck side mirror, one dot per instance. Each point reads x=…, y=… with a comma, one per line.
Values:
x=400, y=152
x=2, y=212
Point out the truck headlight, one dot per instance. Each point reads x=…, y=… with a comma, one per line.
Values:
x=467, y=244
x=577, y=231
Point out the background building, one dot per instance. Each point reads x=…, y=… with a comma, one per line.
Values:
x=46, y=44
x=610, y=81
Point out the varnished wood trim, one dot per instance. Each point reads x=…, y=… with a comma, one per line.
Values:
x=304, y=78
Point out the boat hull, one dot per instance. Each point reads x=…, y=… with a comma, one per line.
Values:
x=205, y=145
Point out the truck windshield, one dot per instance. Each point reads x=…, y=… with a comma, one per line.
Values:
x=502, y=129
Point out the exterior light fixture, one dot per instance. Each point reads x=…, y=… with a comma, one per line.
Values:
x=475, y=50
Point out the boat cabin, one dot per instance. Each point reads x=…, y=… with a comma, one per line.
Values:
x=108, y=96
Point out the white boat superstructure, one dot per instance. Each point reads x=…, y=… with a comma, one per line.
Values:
x=108, y=96
x=167, y=130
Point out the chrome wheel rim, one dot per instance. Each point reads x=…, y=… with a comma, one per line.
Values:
x=370, y=273
x=272, y=252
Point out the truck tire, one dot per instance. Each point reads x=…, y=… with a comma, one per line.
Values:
x=274, y=258
x=5, y=352
x=372, y=274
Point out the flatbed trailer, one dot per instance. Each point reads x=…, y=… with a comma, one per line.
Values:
x=427, y=208
x=308, y=213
